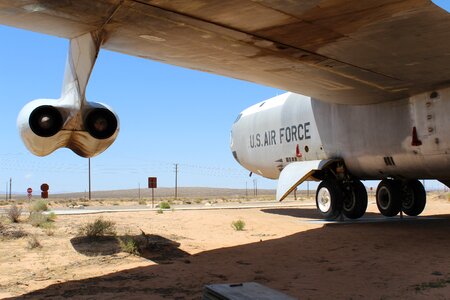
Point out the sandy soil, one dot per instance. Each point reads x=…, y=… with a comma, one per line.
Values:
x=287, y=249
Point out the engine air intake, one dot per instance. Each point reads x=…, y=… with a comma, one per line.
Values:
x=45, y=121
x=101, y=123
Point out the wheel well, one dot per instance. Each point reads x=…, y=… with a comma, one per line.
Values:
x=336, y=170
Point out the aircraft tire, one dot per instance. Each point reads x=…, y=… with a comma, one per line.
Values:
x=414, y=199
x=355, y=202
x=329, y=198
x=389, y=195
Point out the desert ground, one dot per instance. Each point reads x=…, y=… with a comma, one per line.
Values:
x=289, y=249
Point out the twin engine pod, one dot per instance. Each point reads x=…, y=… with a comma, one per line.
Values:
x=46, y=125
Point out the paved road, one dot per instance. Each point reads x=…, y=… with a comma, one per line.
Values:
x=139, y=208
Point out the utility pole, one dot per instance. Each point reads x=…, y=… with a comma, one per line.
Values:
x=139, y=191
x=6, y=193
x=89, y=167
x=10, y=185
x=176, y=181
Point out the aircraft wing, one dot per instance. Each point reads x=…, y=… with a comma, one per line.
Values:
x=341, y=51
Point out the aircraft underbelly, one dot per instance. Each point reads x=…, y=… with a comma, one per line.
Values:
x=405, y=139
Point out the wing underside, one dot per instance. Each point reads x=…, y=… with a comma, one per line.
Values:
x=342, y=51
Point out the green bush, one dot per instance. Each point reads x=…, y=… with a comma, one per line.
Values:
x=98, y=228
x=164, y=205
x=39, y=205
x=13, y=213
x=129, y=245
x=51, y=217
x=38, y=219
x=238, y=225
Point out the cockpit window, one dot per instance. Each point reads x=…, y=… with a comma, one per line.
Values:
x=238, y=117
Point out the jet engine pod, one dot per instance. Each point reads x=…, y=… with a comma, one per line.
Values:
x=46, y=121
x=101, y=123
x=46, y=125
x=99, y=127
x=40, y=124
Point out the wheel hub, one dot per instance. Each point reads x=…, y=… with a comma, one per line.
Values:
x=384, y=198
x=324, y=199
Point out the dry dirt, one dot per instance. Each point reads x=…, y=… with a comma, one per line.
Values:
x=287, y=249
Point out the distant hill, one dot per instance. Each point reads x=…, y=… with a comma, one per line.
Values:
x=183, y=192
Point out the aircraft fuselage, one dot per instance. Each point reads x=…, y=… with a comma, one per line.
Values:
x=403, y=139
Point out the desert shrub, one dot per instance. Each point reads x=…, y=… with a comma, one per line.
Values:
x=129, y=245
x=159, y=211
x=33, y=242
x=51, y=217
x=98, y=228
x=49, y=229
x=164, y=205
x=238, y=225
x=38, y=219
x=11, y=232
x=142, y=202
x=13, y=213
x=39, y=205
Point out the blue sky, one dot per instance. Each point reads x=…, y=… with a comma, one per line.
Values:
x=168, y=115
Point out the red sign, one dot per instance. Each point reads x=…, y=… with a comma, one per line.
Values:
x=44, y=187
x=29, y=190
x=152, y=182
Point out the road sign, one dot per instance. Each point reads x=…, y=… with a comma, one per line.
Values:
x=29, y=190
x=152, y=182
x=44, y=187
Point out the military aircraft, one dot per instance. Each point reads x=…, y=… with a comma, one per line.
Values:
x=376, y=74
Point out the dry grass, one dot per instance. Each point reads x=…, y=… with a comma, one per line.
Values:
x=129, y=245
x=13, y=213
x=39, y=205
x=38, y=219
x=238, y=225
x=98, y=228
x=33, y=242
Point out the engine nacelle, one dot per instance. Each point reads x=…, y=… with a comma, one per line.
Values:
x=47, y=124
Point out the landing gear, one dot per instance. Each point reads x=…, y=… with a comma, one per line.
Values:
x=334, y=198
x=414, y=198
x=394, y=195
x=355, y=201
x=329, y=197
x=388, y=197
